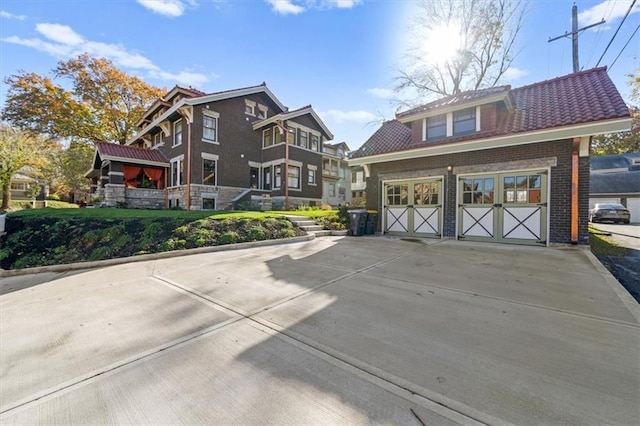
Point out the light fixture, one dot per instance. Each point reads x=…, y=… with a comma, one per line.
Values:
x=449, y=168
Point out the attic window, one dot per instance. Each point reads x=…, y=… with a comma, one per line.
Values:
x=464, y=121
x=437, y=126
x=249, y=107
x=262, y=112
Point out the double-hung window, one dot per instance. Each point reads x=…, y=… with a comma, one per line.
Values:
x=291, y=135
x=303, y=139
x=267, y=138
x=177, y=133
x=315, y=140
x=210, y=128
x=464, y=121
x=177, y=171
x=277, y=176
x=208, y=171
x=437, y=127
x=312, y=177
x=294, y=177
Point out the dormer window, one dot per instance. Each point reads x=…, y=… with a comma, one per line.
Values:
x=437, y=126
x=464, y=121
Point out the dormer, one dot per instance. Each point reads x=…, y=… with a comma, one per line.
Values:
x=457, y=116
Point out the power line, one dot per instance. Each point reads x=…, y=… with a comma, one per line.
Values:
x=624, y=47
x=616, y=33
x=599, y=32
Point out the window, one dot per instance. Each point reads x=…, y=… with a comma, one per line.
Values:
x=478, y=191
x=522, y=189
x=464, y=121
x=249, y=107
x=425, y=193
x=343, y=172
x=315, y=139
x=332, y=190
x=208, y=172
x=437, y=126
x=18, y=186
x=291, y=135
x=210, y=128
x=177, y=133
x=294, y=177
x=312, y=177
x=277, y=176
x=177, y=171
x=266, y=178
x=397, y=195
x=303, y=139
x=157, y=139
x=262, y=112
x=208, y=204
x=267, y=139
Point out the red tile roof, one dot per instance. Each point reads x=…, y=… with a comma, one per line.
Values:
x=583, y=97
x=130, y=154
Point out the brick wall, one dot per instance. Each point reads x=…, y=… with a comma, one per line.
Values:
x=560, y=181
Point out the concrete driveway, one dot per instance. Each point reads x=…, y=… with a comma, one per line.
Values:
x=334, y=330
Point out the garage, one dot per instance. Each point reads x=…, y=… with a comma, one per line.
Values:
x=413, y=208
x=506, y=207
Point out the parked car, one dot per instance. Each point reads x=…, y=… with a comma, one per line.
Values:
x=609, y=211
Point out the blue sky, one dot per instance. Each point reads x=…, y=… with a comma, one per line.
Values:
x=338, y=55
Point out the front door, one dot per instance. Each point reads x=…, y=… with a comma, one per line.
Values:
x=253, y=177
x=504, y=207
x=413, y=208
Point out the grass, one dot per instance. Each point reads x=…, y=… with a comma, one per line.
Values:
x=113, y=213
x=307, y=213
x=601, y=245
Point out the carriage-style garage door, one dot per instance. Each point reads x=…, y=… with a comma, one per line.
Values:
x=413, y=208
x=505, y=207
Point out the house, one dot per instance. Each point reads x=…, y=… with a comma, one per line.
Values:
x=20, y=188
x=358, y=186
x=507, y=165
x=336, y=177
x=219, y=150
x=616, y=179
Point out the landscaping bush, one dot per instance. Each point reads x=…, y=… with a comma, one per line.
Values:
x=43, y=240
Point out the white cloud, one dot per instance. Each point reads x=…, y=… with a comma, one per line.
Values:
x=339, y=116
x=7, y=15
x=295, y=7
x=63, y=42
x=608, y=9
x=285, y=7
x=62, y=34
x=381, y=93
x=172, y=8
x=514, y=74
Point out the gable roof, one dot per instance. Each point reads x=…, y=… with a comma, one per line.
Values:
x=615, y=183
x=130, y=154
x=570, y=104
x=211, y=97
x=287, y=115
x=614, y=161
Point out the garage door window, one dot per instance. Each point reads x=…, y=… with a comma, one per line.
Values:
x=425, y=193
x=478, y=191
x=522, y=189
x=397, y=195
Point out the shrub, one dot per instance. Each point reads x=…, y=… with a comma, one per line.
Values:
x=287, y=233
x=257, y=233
x=228, y=237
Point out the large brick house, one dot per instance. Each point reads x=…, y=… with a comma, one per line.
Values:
x=217, y=151
x=504, y=164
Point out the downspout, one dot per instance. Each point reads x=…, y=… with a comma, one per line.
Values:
x=166, y=187
x=286, y=172
x=574, y=190
x=188, y=165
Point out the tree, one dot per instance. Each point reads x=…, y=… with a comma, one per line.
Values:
x=68, y=166
x=18, y=149
x=459, y=45
x=623, y=142
x=104, y=103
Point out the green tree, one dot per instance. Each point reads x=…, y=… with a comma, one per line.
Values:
x=459, y=45
x=18, y=149
x=104, y=103
x=623, y=142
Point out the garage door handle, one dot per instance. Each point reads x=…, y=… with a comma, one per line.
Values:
x=497, y=205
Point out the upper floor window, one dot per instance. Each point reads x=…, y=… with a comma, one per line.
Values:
x=291, y=135
x=315, y=140
x=210, y=128
x=312, y=177
x=267, y=138
x=157, y=139
x=303, y=138
x=464, y=121
x=249, y=107
x=294, y=177
x=262, y=112
x=177, y=133
x=437, y=126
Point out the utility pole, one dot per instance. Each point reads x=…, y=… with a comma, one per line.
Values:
x=574, y=35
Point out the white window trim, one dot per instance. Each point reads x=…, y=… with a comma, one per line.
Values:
x=272, y=141
x=175, y=123
x=210, y=157
x=315, y=177
x=215, y=201
x=478, y=118
x=264, y=110
x=294, y=188
x=252, y=105
x=179, y=159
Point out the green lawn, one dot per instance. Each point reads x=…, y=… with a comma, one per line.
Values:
x=601, y=245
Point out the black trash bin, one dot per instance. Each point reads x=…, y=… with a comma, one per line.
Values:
x=372, y=223
x=357, y=222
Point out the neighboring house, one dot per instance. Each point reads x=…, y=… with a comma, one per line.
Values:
x=336, y=177
x=500, y=164
x=221, y=150
x=616, y=179
x=358, y=186
x=19, y=187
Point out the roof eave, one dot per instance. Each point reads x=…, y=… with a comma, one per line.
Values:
x=503, y=96
x=545, y=135
x=135, y=161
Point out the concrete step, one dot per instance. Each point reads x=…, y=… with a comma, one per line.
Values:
x=305, y=223
x=323, y=233
x=311, y=228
